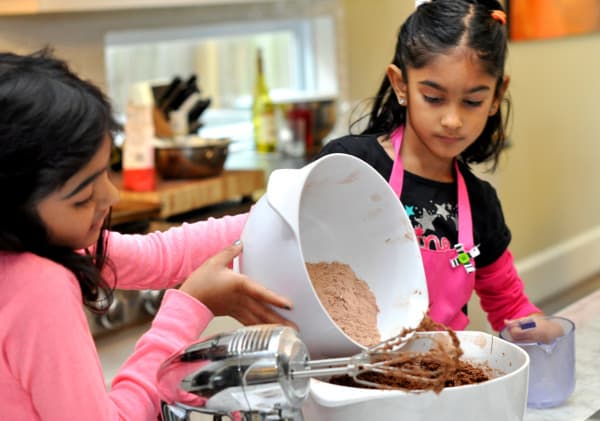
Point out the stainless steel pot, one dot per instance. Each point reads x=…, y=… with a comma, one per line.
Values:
x=191, y=157
x=310, y=119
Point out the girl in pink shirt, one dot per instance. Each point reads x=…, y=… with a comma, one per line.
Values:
x=57, y=254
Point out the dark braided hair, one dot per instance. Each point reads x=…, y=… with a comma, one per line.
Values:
x=51, y=125
x=435, y=28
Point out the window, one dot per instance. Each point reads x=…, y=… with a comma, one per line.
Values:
x=299, y=57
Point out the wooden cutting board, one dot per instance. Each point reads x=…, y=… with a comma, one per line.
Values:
x=125, y=211
x=180, y=196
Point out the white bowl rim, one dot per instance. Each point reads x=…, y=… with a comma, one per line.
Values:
x=347, y=395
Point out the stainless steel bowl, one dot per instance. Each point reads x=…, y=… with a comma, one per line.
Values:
x=322, y=112
x=191, y=157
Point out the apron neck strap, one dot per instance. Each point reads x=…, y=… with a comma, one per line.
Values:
x=465, y=225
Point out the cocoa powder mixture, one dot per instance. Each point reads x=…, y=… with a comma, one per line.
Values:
x=351, y=304
x=348, y=300
x=436, y=369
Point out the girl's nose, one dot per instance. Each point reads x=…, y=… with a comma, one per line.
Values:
x=108, y=194
x=451, y=119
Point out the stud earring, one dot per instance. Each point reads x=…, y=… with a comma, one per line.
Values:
x=402, y=101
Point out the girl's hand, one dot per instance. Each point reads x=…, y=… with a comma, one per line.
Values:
x=534, y=328
x=228, y=293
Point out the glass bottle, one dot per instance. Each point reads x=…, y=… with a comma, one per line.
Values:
x=263, y=112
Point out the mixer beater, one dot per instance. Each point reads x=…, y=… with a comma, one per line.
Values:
x=263, y=373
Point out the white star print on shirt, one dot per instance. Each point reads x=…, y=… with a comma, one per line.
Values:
x=442, y=210
x=426, y=221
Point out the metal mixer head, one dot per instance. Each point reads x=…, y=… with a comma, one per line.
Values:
x=247, y=370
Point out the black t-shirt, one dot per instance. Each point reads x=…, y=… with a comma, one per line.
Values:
x=432, y=205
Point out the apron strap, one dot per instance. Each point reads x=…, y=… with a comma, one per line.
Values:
x=465, y=223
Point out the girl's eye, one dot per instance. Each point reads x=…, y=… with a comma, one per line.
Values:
x=84, y=201
x=432, y=99
x=473, y=103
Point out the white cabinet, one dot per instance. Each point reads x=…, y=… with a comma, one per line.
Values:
x=26, y=7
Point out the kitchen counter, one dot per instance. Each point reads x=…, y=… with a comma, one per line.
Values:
x=582, y=404
x=584, y=401
x=244, y=156
x=125, y=211
x=173, y=197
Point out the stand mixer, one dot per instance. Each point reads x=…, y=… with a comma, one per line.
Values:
x=261, y=372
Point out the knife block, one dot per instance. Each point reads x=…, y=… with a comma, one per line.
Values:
x=162, y=128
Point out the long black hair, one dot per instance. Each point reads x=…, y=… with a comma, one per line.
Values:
x=51, y=125
x=435, y=28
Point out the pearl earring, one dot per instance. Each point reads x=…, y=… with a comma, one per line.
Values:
x=402, y=101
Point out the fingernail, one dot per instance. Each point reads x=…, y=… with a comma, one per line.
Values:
x=237, y=242
x=527, y=324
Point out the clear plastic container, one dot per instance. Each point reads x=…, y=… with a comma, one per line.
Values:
x=552, y=366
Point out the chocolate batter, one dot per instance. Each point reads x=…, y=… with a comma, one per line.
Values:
x=436, y=369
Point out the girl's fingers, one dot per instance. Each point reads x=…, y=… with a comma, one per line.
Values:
x=261, y=293
x=521, y=336
x=226, y=256
x=247, y=318
x=265, y=313
x=523, y=324
x=534, y=330
x=270, y=316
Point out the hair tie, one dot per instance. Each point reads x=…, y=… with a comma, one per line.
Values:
x=499, y=15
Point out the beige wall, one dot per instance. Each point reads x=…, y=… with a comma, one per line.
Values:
x=370, y=37
x=547, y=178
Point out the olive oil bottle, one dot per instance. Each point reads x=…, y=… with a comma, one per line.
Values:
x=263, y=112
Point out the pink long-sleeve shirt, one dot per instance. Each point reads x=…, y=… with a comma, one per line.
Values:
x=49, y=366
x=502, y=292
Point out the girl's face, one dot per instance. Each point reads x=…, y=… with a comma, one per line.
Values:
x=448, y=103
x=74, y=214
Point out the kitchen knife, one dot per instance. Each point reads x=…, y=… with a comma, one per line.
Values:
x=166, y=107
x=197, y=109
x=180, y=98
x=168, y=91
x=192, y=82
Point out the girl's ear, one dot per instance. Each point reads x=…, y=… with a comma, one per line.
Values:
x=398, y=83
x=501, y=91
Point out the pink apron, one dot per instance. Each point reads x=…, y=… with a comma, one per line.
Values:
x=450, y=273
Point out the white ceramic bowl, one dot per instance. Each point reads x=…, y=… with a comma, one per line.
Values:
x=503, y=398
x=335, y=209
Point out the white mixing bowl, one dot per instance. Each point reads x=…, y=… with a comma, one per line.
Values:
x=503, y=398
x=335, y=209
